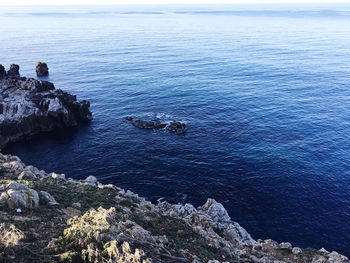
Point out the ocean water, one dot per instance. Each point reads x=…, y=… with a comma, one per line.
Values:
x=264, y=91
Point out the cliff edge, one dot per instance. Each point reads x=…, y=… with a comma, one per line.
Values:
x=46, y=217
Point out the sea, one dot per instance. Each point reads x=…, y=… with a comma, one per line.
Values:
x=263, y=89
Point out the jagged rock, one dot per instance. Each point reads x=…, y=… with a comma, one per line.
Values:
x=13, y=71
x=335, y=257
x=2, y=71
x=41, y=69
x=216, y=211
x=29, y=106
x=238, y=234
x=177, y=127
x=91, y=179
x=129, y=118
x=176, y=210
x=48, y=198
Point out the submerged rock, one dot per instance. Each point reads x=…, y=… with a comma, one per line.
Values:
x=29, y=106
x=41, y=69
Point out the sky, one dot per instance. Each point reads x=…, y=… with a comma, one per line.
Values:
x=111, y=2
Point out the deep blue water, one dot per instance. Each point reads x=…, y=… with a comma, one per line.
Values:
x=264, y=91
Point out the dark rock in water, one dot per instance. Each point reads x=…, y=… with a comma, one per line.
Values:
x=2, y=71
x=144, y=124
x=29, y=106
x=177, y=127
x=13, y=71
x=41, y=69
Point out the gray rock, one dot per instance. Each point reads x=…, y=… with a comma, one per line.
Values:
x=17, y=186
x=3, y=198
x=239, y=235
x=91, y=179
x=48, y=198
x=27, y=175
x=28, y=198
x=41, y=69
x=216, y=211
x=296, y=251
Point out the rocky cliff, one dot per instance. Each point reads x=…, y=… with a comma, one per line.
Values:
x=29, y=106
x=46, y=217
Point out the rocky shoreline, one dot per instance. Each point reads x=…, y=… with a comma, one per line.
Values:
x=29, y=106
x=108, y=224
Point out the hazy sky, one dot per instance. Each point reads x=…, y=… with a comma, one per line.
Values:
x=92, y=2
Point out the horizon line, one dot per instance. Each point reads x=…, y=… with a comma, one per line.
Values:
x=326, y=2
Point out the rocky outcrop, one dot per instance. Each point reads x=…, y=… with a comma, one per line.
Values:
x=174, y=126
x=17, y=195
x=13, y=71
x=41, y=69
x=29, y=106
x=165, y=232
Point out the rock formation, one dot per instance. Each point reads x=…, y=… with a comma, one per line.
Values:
x=41, y=69
x=29, y=106
x=174, y=126
x=13, y=71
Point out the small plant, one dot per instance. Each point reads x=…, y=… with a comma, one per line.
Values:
x=9, y=235
x=91, y=238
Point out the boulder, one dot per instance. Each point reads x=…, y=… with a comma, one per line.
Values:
x=48, y=198
x=91, y=179
x=28, y=198
x=41, y=69
x=296, y=250
x=27, y=175
x=13, y=71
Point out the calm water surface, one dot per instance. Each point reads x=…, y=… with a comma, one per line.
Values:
x=264, y=91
